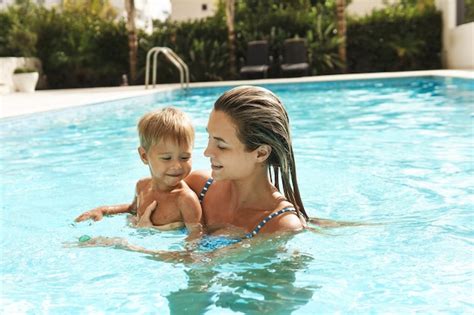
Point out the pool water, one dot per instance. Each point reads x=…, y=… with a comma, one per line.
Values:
x=397, y=152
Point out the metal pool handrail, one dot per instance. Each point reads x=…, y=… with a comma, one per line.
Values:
x=171, y=56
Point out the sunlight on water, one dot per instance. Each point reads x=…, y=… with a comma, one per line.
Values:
x=395, y=152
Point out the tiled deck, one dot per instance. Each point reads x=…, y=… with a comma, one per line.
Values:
x=17, y=104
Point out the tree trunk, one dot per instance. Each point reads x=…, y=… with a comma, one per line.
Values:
x=341, y=31
x=132, y=39
x=230, y=15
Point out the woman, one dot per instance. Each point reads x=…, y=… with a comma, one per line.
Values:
x=250, y=152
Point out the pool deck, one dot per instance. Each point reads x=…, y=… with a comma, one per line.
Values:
x=18, y=104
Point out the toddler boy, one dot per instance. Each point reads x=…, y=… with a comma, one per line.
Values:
x=163, y=201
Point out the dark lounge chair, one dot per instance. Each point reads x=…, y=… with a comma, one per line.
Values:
x=257, y=61
x=295, y=60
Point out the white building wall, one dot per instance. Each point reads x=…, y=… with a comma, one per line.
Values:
x=458, y=40
x=47, y=3
x=146, y=10
x=6, y=3
x=365, y=7
x=183, y=10
x=461, y=48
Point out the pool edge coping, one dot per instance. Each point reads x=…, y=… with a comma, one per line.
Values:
x=21, y=104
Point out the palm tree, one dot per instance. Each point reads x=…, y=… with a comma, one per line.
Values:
x=341, y=31
x=132, y=39
x=230, y=16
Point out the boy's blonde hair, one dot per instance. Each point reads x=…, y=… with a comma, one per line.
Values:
x=169, y=124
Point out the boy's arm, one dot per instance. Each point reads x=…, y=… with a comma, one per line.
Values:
x=191, y=212
x=98, y=213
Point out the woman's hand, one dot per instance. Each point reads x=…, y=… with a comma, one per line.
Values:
x=95, y=214
x=120, y=243
x=102, y=241
x=145, y=219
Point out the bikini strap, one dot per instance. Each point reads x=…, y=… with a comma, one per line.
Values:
x=204, y=189
x=268, y=218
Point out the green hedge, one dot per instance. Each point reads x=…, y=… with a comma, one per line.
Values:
x=395, y=40
x=80, y=49
x=76, y=49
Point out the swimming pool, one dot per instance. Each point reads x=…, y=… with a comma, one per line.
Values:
x=394, y=151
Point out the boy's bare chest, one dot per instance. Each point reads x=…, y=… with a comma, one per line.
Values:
x=166, y=211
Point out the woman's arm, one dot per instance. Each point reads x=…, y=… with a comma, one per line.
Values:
x=123, y=244
x=189, y=255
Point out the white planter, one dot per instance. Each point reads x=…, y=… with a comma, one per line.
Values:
x=25, y=82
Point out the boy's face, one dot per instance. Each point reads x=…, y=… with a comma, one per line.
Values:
x=169, y=163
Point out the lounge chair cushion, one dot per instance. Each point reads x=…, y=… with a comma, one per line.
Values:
x=295, y=66
x=254, y=69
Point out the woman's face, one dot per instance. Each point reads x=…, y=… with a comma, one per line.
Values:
x=229, y=158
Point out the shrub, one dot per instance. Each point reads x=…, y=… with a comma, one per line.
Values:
x=18, y=36
x=469, y=11
x=394, y=39
x=81, y=50
x=76, y=48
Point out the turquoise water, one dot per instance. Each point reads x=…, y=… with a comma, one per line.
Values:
x=397, y=152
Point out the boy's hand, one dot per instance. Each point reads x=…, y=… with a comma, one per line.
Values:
x=95, y=214
x=144, y=220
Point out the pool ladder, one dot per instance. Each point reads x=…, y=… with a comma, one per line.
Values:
x=174, y=58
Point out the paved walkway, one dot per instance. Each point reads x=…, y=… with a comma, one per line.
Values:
x=17, y=104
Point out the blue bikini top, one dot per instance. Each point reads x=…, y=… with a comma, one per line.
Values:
x=211, y=242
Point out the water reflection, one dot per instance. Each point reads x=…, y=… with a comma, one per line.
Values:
x=263, y=282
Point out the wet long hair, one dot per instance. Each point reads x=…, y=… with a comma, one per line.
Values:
x=261, y=119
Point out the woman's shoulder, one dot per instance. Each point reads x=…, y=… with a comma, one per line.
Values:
x=197, y=179
x=284, y=218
